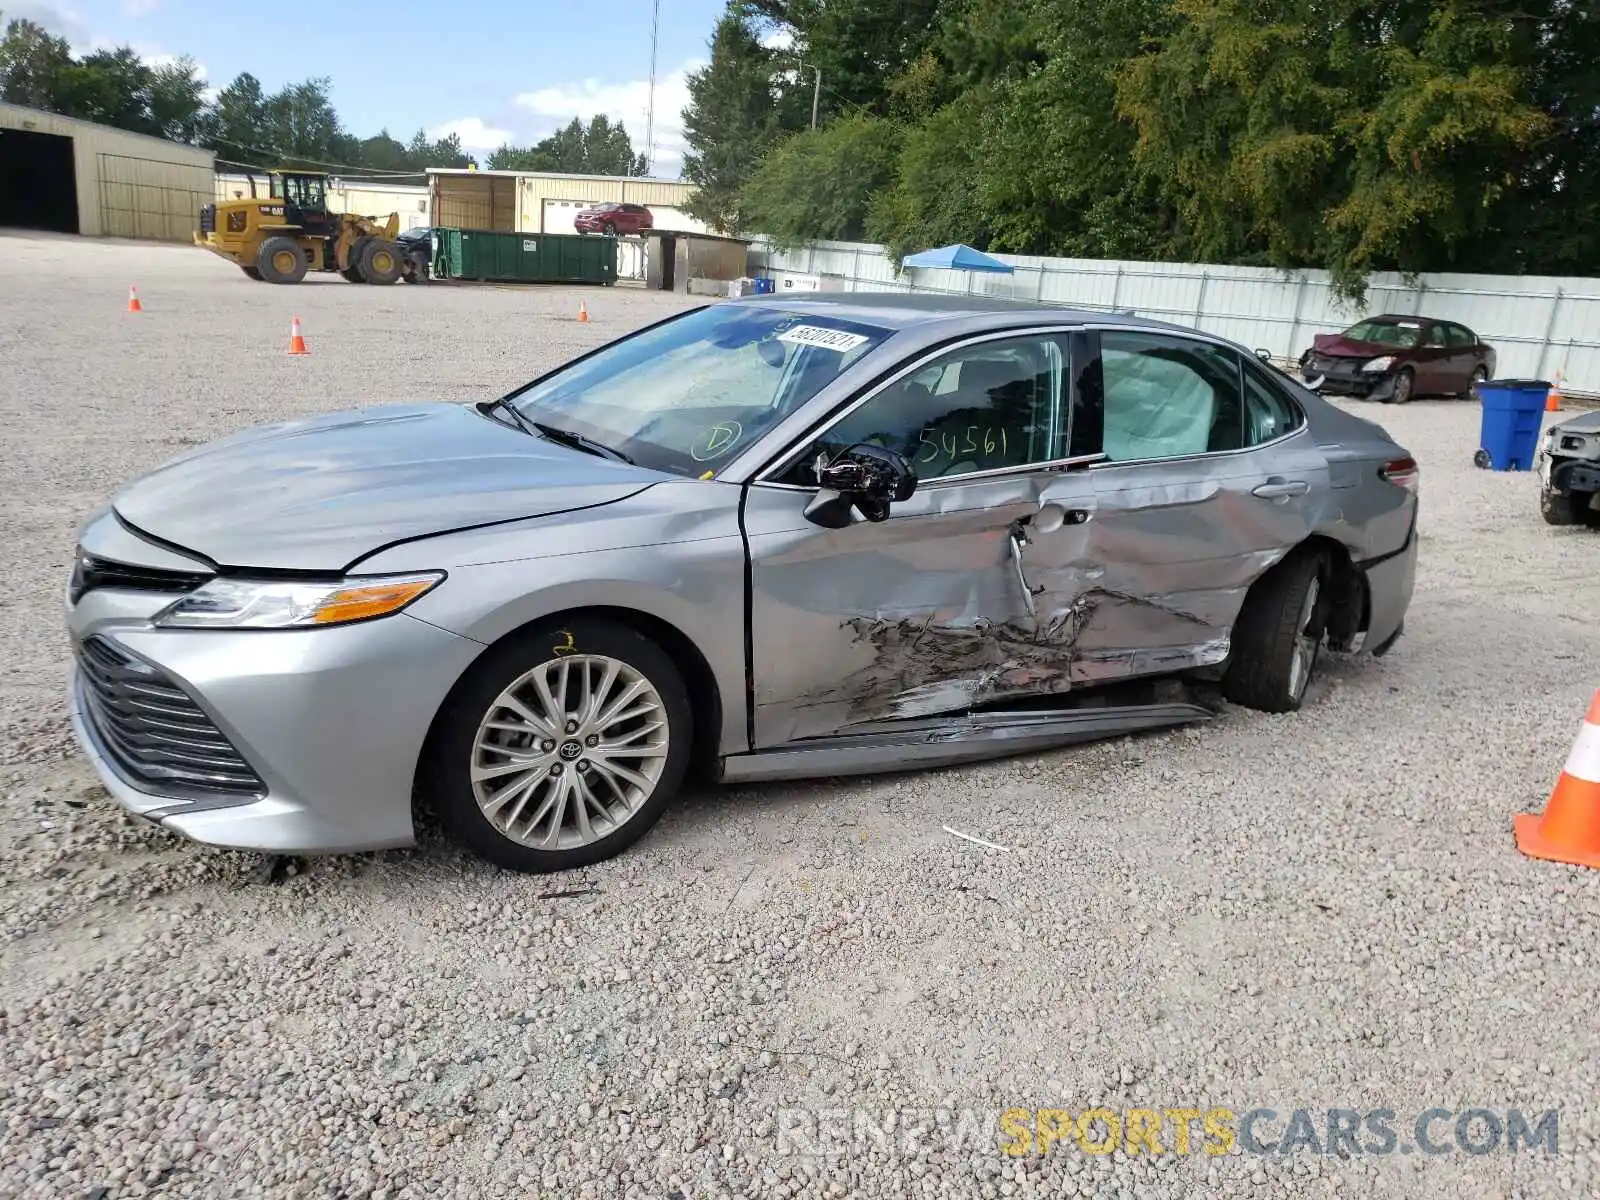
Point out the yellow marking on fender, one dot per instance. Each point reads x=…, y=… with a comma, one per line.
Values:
x=570, y=644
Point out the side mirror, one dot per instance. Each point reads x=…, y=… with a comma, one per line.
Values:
x=863, y=477
x=1264, y=355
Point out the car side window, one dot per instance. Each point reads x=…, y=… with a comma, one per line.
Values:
x=1462, y=337
x=1435, y=338
x=1165, y=397
x=980, y=408
x=1268, y=413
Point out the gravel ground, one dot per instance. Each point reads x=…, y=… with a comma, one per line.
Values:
x=1311, y=911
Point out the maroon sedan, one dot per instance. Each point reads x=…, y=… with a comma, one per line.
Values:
x=614, y=218
x=1392, y=359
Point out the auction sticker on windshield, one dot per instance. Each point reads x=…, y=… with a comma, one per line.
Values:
x=827, y=339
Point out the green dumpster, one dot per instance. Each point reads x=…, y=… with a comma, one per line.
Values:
x=524, y=257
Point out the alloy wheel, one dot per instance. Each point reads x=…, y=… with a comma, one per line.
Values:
x=569, y=752
x=1306, y=642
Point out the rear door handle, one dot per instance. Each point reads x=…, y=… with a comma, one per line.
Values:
x=1280, y=489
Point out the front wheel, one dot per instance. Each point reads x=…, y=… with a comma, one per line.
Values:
x=1568, y=508
x=1278, y=637
x=1404, y=386
x=380, y=261
x=561, y=747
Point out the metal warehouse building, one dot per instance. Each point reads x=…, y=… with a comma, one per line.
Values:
x=58, y=173
x=537, y=202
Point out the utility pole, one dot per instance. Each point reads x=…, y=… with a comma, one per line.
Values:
x=650, y=117
x=816, y=91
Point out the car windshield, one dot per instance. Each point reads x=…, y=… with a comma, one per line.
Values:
x=685, y=395
x=1401, y=334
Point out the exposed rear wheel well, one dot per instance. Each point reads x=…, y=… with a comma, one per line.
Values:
x=1346, y=606
x=700, y=681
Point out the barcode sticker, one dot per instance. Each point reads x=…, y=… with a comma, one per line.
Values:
x=827, y=339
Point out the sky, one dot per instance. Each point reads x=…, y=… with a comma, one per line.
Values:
x=490, y=72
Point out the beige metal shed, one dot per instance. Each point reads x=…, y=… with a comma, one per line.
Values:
x=58, y=173
x=543, y=202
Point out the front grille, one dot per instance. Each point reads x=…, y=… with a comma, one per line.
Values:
x=90, y=572
x=208, y=218
x=154, y=732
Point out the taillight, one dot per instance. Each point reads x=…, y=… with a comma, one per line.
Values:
x=1403, y=472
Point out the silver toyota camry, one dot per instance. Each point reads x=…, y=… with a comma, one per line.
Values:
x=768, y=538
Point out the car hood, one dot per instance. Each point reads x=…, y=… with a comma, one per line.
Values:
x=321, y=493
x=1588, y=422
x=1339, y=346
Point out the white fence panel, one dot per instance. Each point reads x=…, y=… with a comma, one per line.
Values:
x=1540, y=325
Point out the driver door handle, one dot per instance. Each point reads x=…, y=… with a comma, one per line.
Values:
x=1278, y=488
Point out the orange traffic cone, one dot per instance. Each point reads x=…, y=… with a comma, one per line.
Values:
x=297, y=344
x=1552, y=402
x=133, y=300
x=583, y=311
x=1569, y=829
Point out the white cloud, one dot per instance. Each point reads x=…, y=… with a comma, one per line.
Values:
x=628, y=103
x=779, y=39
x=473, y=132
x=62, y=23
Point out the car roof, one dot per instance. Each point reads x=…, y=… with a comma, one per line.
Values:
x=905, y=310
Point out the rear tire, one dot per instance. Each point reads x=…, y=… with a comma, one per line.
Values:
x=281, y=260
x=587, y=804
x=1479, y=375
x=1278, y=636
x=380, y=261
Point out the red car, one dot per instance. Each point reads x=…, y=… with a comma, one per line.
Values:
x=614, y=218
x=1393, y=358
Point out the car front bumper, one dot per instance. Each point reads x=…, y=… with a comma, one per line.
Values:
x=1569, y=474
x=1352, y=381
x=331, y=722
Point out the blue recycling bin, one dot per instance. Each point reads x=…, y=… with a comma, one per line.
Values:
x=1513, y=413
x=765, y=285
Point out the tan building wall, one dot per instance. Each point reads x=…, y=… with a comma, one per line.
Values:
x=365, y=199
x=127, y=184
x=468, y=194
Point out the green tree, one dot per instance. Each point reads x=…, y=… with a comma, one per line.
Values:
x=1327, y=134
x=31, y=65
x=598, y=148
x=732, y=119
x=823, y=183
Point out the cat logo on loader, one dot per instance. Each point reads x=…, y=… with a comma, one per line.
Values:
x=290, y=232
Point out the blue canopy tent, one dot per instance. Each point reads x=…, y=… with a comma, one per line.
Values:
x=957, y=258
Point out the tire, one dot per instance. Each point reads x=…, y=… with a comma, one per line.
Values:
x=1404, y=385
x=274, y=263
x=1278, y=636
x=1479, y=375
x=380, y=261
x=1567, y=508
x=464, y=740
x=609, y=229
x=418, y=272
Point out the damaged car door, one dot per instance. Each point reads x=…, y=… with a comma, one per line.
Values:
x=1204, y=479
x=926, y=612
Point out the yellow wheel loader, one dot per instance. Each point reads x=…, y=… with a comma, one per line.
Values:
x=291, y=231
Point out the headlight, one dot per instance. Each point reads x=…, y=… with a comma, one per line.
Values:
x=291, y=604
x=1380, y=364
